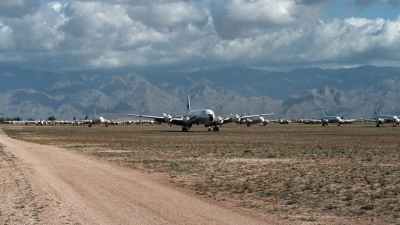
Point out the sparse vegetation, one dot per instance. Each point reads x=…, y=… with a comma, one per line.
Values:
x=18, y=199
x=296, y=171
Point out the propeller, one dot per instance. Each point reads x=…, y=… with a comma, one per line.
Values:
x=219, y=120
x=236, y=118
x=168, y=119
x=186, y=120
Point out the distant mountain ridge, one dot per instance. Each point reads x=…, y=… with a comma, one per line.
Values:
x=300, y=93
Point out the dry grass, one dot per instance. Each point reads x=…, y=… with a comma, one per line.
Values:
x=298, y=171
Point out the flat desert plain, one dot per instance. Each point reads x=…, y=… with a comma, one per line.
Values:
x=278, y=174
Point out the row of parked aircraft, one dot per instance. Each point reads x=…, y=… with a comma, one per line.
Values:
x=90, y=122
x=208, y=119
x=204, y=116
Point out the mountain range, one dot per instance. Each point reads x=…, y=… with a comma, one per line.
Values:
x=300, y=93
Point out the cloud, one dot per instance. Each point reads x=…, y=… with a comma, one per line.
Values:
x=164, y=17
x=112, y=35
x=18, y=8
x=180, y=35
x=240, y=18
x=349, y=42
x=364, y=3
x=35, y=32
x=312, y=2
x=6, y=37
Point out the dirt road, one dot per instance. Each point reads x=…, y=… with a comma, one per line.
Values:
x=49, y=185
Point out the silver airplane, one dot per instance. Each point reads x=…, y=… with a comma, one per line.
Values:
x=97, y=120
x=193, y=116
x=381, y=119
x=247, y=119
x=330, y=119
x=12, y=121
x=253, y=119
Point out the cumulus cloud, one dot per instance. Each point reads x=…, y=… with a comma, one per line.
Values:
x=165, y=16
x=180, y=34
x=37, y=31
x=349, y=42
x=109, y=35
x=240, y=18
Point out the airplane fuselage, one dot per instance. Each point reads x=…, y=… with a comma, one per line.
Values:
x=201, y=116
x=380, y=119
x=98, y=120
x=255, y=119
x=331, y=119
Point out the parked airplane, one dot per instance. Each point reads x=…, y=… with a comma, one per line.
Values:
x=253, y=119
x=381, y=119
x=98, y=120
x=309, y=121
x=285, y=121
x=247, y=119
x=193, y=116
x=29, y=122
x=330, y=119
x=11, y=121
x=41, y=122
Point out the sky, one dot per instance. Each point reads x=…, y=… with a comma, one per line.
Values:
x=191, y=35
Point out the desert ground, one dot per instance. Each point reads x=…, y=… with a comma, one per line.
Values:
x=279, y=174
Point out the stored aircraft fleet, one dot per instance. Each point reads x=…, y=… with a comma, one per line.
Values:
x=208, y=118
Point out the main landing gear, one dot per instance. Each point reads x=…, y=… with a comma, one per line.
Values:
x=214, y=129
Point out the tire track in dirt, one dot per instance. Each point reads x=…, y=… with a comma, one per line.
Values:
x=74, y=188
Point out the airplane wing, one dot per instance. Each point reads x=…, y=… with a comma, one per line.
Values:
x=236, y=118
x=160, y=119
x=249, y=116
x=177, y=121
x=84, y=121
x=370, y=120
x=228, y=120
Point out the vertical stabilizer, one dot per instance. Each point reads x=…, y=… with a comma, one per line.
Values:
x=94, y=111
x=322, y=113
x=188, y=103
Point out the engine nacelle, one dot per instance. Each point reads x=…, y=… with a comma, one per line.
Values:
x=187, y=121
x=218, y=121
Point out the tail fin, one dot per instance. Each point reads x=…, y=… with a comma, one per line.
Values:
x=94, y=111
x=322, y=113
x=188, y=103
